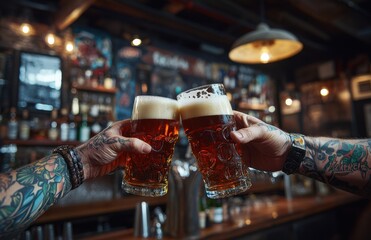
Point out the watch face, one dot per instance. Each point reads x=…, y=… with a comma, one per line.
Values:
x=298, y=140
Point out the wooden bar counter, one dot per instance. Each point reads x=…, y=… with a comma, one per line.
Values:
x=280, y=211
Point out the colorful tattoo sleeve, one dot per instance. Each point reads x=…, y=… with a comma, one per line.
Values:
x=344, y=164
x=28, y=192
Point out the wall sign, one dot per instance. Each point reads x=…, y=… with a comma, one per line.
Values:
x=184, y=64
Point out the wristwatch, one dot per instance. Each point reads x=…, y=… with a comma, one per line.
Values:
x=296, y=154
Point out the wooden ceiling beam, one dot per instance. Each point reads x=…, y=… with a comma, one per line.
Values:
x=70, y=11
x=174, y=7
x=169, y=21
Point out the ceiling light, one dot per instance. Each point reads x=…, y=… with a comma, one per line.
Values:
x=26, y=29
x=69, y=46
x=324, y=92
x=50, y=39
x=272, y=109
x=288, y=101
x=265, y=55
x=264, y=45
x=136, y=42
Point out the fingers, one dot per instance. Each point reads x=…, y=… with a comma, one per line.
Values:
x=121, y=127
x=244, y=120
x=116, y=136
x=134, y=145
x=241, y=119
x=245, y=135
x=131, y=144
x=254, y=120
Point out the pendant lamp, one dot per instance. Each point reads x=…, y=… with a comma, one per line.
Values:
x=264, y=45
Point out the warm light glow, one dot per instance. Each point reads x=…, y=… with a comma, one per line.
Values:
x=144, y=88
x=274, y=214
x=278, y=43
x=69, y=47
x=136, y=42
x=272, y=109
x=229, y=96
x=324, y=92
x=248, y=221
x=265, y=56
x=288, y=101
x=50, y=39
x=26, y=28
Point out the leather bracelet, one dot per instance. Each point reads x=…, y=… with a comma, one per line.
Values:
x=296, y=154
x=74, y=164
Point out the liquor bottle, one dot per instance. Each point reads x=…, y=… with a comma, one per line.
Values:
x=203, y=212
x=108, y=81
x=95, y=127
x=72, y=130
x=215, y=210
x=53, y=132
x=13, y=124
x=103, y=120
x=84, y=131
x=24, y=126
x=3, y=126
x=101, y=79
x=64, y=129
x=75, y=106
x=37, y=130
x=218, y=211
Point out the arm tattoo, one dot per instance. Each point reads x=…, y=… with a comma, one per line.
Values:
x=271, y=128
x=28, y=192
x=344, y=164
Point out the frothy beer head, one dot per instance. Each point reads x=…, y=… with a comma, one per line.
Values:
x=154, y=107
x=196, y=104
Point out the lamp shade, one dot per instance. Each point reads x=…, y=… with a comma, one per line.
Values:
x=264, y=45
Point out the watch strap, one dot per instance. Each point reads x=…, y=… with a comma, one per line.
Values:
x=296, y=154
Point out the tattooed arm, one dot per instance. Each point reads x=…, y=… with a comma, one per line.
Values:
x=342, y=163
x=27, y=192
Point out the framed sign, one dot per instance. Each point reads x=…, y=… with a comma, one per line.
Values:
x=367, y=111
x=39, y=81
x=361, y=87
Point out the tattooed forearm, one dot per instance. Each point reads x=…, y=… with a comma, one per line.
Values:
x=28, y=192
x=345, y=164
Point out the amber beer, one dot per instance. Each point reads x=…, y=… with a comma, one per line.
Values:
x=208, y=120
x=155, y=120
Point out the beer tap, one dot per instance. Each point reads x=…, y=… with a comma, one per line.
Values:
x=158, y=221
x=182, y=220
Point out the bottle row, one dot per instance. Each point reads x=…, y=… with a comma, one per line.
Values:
x=66, y=127
x=90, y=78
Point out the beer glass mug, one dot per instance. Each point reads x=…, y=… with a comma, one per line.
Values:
x=154, y=120
x=208, y=119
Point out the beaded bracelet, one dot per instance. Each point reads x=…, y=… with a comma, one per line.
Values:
x=74, y=164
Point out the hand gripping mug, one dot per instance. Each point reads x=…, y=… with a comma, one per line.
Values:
x=154, y=120
x=208, y=120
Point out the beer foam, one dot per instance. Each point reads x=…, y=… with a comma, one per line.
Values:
x=197, y=107
x=155, y=107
